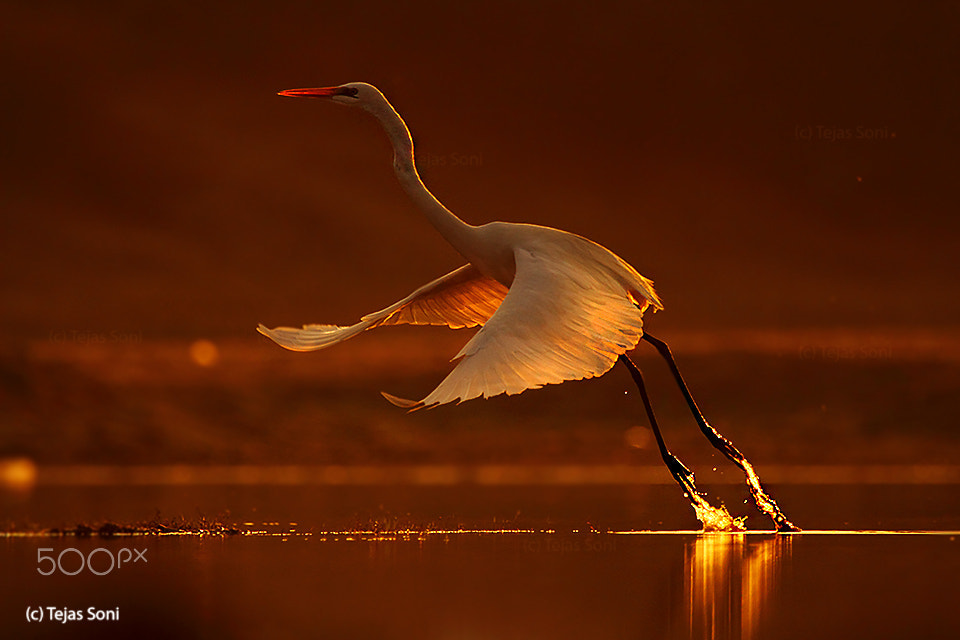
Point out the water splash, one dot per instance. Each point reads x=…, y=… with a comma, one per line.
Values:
x=716, y=519
x=764, y=502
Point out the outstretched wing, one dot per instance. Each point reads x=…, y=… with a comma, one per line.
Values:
x=462, y=298
x=559, y=321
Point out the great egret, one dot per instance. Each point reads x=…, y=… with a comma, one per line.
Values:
x=553, y=306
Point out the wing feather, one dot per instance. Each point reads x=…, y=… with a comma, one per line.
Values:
x=573, y=307
x=561, y=320
x=462, y=298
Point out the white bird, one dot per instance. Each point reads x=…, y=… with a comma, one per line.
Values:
x=552, y=305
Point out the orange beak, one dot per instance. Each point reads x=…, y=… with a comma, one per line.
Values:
x=321, y=92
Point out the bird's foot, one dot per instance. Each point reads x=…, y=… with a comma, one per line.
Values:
x=712, y=518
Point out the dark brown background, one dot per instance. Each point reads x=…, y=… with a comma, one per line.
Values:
x=155, y=191
x=153, y=182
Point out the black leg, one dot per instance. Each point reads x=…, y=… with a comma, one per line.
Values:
x=680, y=472
x=711, y=517
x=764, y=502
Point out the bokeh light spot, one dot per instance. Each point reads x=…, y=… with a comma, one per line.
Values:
x=18, y=474
x=204, y=353
x=637, y=437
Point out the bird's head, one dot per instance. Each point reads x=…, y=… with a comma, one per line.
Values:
x=367, y=97
x=357, y=94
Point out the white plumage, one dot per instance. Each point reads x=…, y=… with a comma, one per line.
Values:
x=553, y=305
x=462, y=298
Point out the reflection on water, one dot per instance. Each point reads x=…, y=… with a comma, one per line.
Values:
x=729, y=583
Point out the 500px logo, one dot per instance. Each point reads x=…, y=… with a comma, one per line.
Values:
x=106, y=561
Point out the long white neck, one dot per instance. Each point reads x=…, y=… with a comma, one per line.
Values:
x=457, y=232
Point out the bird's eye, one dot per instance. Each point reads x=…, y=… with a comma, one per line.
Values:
x=351, y=91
